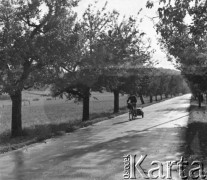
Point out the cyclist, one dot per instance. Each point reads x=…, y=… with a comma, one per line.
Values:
x=132, y=100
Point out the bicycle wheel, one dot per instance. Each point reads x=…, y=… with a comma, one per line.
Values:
x=130, y=115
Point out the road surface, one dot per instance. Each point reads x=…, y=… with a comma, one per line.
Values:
x=96, y=152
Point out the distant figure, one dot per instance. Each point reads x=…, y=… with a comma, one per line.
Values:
x=132, y=100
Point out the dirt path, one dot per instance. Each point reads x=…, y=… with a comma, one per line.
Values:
x=96, y=152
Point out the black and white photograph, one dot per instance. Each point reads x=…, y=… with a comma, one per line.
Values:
x=103, y=89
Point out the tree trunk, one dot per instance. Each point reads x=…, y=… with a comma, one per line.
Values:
x=116, y=101
x=151, y=99
x=16, y=124
x=199, y=100
x=166, y=96
x=161, y=96
x=206, y=98
x=141, y=98
x=86, y=102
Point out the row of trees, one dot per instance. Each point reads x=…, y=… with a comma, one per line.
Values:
x=144, y=81
x=102, y=43
x=44, y=42
x=183, y=30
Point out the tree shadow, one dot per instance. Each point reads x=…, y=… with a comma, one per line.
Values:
x=173, y=109
x=196, y=139
x=121, y=122
x=194, y=136
x=109, y=150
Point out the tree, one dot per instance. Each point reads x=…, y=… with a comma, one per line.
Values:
x=102, y=44
x=111, y=82
x=185, y=41
x=25, y=26
x=136, y=81
x=84, y=55
x=125, y=47
x=164, y=82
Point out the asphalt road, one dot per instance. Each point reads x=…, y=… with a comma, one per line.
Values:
x=96, y=152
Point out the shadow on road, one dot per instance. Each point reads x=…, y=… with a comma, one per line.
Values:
x=137, y=118
x=108, y=151
x=121, y=122
x=161, y=124
x=172, y=109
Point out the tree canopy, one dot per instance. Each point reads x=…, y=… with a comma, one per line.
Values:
x=25, y=28
x=183, y=36
x=103, y=46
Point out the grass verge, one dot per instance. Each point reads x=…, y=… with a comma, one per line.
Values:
x=194, y=141
x=196, y=132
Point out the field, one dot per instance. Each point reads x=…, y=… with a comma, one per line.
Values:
x=39, y=110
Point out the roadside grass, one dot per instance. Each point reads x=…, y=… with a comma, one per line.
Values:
x=194, y=138
x=56, y=111
x=44, y=119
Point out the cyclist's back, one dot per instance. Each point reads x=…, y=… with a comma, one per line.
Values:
x=133, y=100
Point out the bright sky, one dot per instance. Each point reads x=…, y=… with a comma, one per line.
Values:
x=131, y=7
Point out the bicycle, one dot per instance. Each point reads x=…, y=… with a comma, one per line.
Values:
x=134, y=112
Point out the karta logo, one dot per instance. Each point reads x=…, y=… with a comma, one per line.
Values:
x=162, y=170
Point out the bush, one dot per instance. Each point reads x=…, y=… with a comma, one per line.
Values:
x=35, y=99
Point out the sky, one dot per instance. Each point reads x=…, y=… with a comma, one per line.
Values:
x=131, y=7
